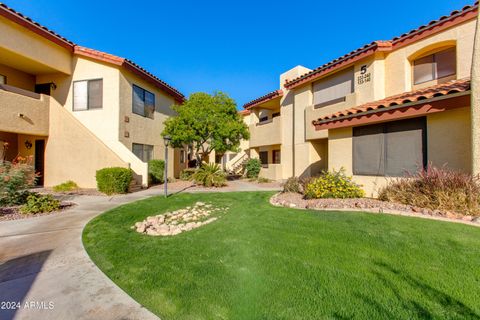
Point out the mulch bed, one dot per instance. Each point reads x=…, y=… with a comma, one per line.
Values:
x=13, y=213
x=295, y=200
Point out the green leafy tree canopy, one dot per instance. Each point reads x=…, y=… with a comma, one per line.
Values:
x=207, y=122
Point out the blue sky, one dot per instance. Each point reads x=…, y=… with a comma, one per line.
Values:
x=239, y=47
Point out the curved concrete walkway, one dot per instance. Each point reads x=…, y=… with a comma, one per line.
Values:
x=44, y=266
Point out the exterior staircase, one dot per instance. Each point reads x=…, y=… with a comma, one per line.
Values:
x=134, y=186
x=237, y=166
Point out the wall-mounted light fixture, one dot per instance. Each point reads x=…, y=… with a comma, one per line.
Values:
x=28, y=144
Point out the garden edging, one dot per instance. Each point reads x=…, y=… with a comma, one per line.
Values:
x=275, y=201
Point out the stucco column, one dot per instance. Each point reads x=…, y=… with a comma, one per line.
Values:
x=475, y=101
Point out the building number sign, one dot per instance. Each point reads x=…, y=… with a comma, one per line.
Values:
x=364, y=76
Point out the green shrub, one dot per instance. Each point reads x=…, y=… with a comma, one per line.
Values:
x=114, y=180
x=186, y=174
x=252, y=168
x=156, y=170
x=333, y=184
x=436, y=189
x=66, y=186
x=15, y=178
x=37, y=203
x=293, y=184
x=210, y=175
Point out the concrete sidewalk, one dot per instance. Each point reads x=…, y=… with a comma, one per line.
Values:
x=42, y=261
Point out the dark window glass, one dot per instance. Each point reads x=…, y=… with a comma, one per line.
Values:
x=143, y=102
x=262, y=119
x=390, y=149
x=276, y=156
x=435, y=66
x=276, y=114
x=263, y=155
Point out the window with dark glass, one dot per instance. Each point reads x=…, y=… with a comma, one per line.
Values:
x=276, y=156
x=390, y=149
x=435, y=66
x=143, y=151
x=275, y=114
x=263, y=155
x=143, y=102
x=263, y=119
x=87, y=94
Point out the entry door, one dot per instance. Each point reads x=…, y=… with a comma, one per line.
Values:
x=43, y=88
x=40, y=160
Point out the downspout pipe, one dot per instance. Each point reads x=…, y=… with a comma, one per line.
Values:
x=475, y=102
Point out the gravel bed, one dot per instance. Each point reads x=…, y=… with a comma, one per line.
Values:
x=13, y=213
x=295, y=200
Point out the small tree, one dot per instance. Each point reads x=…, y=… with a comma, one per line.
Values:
x=207, y=123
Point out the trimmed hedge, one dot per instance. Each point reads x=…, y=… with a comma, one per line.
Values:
x=114, y=180
x=156, y=170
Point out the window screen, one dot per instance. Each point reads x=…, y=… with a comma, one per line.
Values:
x=333, y=89
x=143, y=151
x=389, y=149
x=435, y=66
x=87, y=94
x=3, y=79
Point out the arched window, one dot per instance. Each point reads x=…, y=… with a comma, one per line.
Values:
x=440, y=66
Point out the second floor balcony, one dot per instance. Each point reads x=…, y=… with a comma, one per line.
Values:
x=266, y=133
x=23, y=111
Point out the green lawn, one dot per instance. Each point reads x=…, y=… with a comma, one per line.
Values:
x=263, y=262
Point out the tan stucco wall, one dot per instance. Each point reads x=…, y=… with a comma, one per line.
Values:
x=141, y=129
x=449, y=139
x=27, y=51
x=35, y=113
x=18, y=78
x=448, y=143
x=398, y=77
x=12, y=150
x=266, y=134
x=103, y=123
x=73, y=152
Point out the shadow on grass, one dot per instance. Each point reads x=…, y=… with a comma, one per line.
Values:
x=390, y=277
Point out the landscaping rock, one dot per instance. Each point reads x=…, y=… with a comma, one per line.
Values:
x=296, y=200
x=176, y=222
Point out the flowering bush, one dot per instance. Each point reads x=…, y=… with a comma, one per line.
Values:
x=436, y=189
x=15, y=178
x=334, y=184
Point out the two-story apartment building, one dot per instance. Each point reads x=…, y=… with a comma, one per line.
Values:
x=76, y=110
x=379, y=111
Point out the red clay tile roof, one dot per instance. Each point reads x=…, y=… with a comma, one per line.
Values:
x=33, y=26
x=450, y=87
x=244, y=112
x=435, y=26
x=269, y=96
